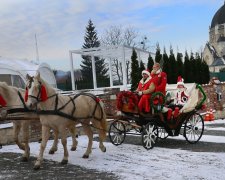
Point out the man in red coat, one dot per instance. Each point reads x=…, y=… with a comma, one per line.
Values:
x=160, y=78
x=145, y=88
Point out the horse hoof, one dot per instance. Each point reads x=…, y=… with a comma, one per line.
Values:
x=24, y=159
x=104, y=150
x=51, y=152
x=73, y=149
x=36, y=167
x=85, y=156
x=64, y=161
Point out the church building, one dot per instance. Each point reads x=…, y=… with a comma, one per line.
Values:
x=214, y=51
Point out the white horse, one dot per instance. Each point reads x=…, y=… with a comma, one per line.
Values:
x=12, y=98
x=60, y=112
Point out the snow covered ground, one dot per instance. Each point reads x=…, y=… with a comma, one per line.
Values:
x=135, y=163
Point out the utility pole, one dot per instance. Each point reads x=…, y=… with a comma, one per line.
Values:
x=37, y=55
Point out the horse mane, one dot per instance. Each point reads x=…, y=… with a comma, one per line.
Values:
x=9, y=88
x=6, y=88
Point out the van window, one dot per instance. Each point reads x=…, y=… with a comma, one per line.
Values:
x=6, y=78
x=12, y=80
x=17, y=81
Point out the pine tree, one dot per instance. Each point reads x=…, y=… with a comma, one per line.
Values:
x=142, y=67
x=166, y=65
x=91, y=41
x=186, y=68
x=135, y=71
x=173, y=74
x=192, y=68
x=180, y=65
x=150, y=63
x=205, y=73
x=198, y=69
x=158, y=55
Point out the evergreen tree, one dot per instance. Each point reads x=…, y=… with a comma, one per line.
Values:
x=135, y=71
x=186, y=68
x=158, y=55
x=192, y=68
x=198, y=69
x=150, y=63
x=91, y=41
x=141, y=68
x=180, y=65
x=173, y=74
x=205, y=73
x=166, y=65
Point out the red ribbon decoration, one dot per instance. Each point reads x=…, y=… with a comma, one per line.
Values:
x=26, y=95
x=97, y=99
x=2, y=101
x=44, y=96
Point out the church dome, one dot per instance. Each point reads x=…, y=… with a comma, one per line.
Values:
x=219, y=17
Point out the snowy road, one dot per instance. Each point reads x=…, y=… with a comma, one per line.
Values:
x=168, y=160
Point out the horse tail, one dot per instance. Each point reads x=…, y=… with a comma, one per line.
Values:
x=103, y=121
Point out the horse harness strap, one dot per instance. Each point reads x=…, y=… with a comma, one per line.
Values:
x=58, y=111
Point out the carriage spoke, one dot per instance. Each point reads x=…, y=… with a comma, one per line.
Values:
x=117, y=132
x=194, y=128
x=149, y=136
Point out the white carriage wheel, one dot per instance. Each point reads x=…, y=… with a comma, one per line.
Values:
x=149, y=136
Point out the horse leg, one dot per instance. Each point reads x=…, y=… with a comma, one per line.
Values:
x=64, y=143
x=88, y=131
x=16, y=130
x=101, y=133
x=25, y=137
x=72, y=130
x=54, y=147
x=45, y=136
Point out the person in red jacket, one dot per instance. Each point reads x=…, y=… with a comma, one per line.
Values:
x=181, y=95
x=179, y=100
x=160, y=78
x=145, y=88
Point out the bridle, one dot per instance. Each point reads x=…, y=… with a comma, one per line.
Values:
x=38, y=97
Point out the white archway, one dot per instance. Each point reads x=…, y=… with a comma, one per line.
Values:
x=108, y=52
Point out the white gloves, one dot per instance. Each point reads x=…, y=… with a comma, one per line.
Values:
x=140, y=93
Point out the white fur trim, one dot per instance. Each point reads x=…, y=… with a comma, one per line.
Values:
x=145, y=72
x=180, y=83
x=142, y=81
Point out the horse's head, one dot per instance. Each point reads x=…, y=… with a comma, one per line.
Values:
x=35, y=91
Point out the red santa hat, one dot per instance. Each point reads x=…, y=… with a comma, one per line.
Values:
x=180, y=81
x=145, y=72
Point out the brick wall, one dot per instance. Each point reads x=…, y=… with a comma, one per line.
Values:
x=212, y=101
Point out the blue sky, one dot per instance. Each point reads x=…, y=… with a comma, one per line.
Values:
x=60, y=25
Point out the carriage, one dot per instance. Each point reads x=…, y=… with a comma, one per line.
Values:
x=156, y=124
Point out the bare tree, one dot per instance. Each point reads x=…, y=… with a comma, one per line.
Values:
x=130, y=35
x=117, y=35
